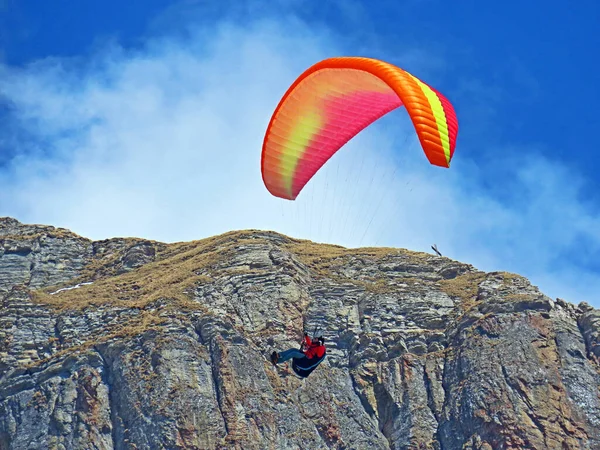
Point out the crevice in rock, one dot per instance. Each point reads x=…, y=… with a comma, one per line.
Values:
x=31, y=268
x=53, y=425
x=559, y=358
x=205, y=339
x=582, y=331
x=387, y=410
x=217, y=384
x=58, y=335
x=446, y=388
x=592, y=348
x=18, y=251
x=521, y=394
x=115, y=419
x=363, y=399
x=429, y=389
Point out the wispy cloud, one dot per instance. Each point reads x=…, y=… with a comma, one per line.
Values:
x=164, y=142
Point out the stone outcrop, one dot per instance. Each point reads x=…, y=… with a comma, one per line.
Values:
x=130, y=343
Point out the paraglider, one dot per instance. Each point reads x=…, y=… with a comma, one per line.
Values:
x=334, y=100
x=312, y=352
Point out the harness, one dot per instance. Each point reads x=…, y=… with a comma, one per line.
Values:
x=304, y=366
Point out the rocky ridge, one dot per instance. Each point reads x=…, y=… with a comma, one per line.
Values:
x=131, y=343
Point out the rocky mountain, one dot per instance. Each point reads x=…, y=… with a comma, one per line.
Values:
x=136, y=344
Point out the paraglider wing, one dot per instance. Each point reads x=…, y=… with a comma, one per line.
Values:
x=334, y=100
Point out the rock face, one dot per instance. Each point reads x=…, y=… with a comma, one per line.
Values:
x=134, y=344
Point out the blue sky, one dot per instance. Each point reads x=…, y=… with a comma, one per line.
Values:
x=155, y=111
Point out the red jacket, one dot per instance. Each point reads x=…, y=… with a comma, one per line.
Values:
x=313, y=349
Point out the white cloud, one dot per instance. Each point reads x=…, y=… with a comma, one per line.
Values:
x=164, y=143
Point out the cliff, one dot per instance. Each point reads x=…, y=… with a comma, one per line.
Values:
x=136, y=344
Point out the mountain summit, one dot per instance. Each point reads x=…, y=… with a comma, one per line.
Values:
x=136, y=344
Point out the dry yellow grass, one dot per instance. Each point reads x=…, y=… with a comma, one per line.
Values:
x=512, y=277
x=314, y=253
x=181, y=266
x=171, y=276
x=175, y=271
x=463, y=287
x=36, y=233
x=518, y=297
x=323, y=259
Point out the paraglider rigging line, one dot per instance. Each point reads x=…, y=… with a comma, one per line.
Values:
x=366, y=191
x=378, y=206
x=354, y=190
